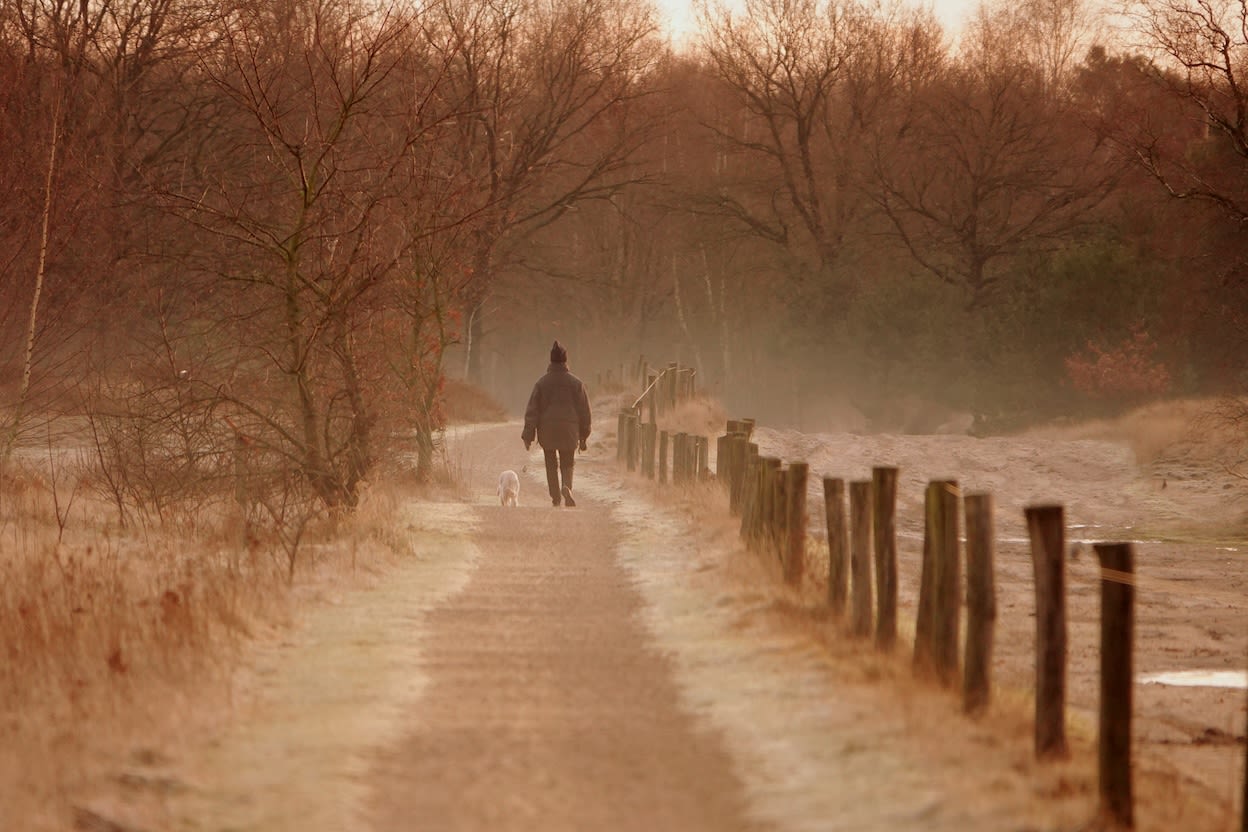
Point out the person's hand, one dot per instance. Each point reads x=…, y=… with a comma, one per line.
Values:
x=584, y=447
x=528, y=443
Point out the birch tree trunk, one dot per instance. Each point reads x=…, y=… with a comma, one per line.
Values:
x=32, y=324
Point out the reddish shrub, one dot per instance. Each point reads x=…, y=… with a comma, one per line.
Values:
x=1125, y=372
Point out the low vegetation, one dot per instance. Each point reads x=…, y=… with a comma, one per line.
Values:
x=121, y=617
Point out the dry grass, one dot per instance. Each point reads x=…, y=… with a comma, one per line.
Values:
x=1199, y=430
x=115, y=642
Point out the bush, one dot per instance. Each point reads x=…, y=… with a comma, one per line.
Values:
x=1126, y=373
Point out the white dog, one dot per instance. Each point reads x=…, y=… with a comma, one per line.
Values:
x=509, y=488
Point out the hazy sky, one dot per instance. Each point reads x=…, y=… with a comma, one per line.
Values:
x=951, y=13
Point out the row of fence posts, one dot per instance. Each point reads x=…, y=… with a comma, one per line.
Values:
x=641, y=446
x=663, y=388
x=771, y=500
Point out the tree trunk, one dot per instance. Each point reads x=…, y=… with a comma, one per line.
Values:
x=32, y=325
x=474, y=365
x=359, y=450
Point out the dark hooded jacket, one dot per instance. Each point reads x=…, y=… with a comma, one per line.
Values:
x=558, y=411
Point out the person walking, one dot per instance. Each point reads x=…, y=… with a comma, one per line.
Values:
x=558, y=417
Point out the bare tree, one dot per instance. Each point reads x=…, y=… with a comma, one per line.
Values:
x=983, y=164
x=543, y=92
x=1199, y=50
x=805, y=82
x=306, y=160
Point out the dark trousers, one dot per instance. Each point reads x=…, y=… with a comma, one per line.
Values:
x=559, y=461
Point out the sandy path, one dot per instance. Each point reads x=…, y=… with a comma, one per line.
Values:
x=548, y=709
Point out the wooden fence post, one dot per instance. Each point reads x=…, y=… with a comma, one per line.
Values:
x=621, y=437
x=1117, y=680
x=663, y=442
x=1046, y=529
x=768, y=467
x=649, y=435
x=884, y=514
x=946, y=610
x=838, y=543
x=704, y=458
x=981, y=603
x=749, y=496
x=643, y=436
x=780, y=513
x=766, y=502
x=796, y=520
x=924, y=662
x=722, y=474
x=736, y=447
x=634, y=436
x=860, y=556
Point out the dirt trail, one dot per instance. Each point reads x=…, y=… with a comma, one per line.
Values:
x=548, y=710
x=603, y=667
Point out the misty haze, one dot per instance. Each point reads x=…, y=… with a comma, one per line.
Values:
x=576, y=415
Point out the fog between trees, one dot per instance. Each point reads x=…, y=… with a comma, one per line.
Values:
x=267, y=231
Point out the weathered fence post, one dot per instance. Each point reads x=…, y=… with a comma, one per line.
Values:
x=749, y=496
x=766, y=501
x=621, y=436
x=981, y=603
x=796, y=520
x=780, y=513
x=924, y=663
x=946, y=583
x=648, y=437
x=678, y=457
x=722, y=463
x=1117, y=680
x=738, y=450
x=838, y=543
x=1046, y=529
x=663, y=442
x=704, y=458
x=643, y=436
x=884, y=514
x=633, y=426
x=860, y=556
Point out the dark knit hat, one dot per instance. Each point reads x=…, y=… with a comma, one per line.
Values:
x=558, y=355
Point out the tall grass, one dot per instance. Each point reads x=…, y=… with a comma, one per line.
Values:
x=109, y=636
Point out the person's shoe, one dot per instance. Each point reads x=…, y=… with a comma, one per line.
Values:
x=567, y=497
x=555, y=502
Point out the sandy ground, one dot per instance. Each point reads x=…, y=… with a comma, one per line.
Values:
x=619, y=666
x=1191, y=563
